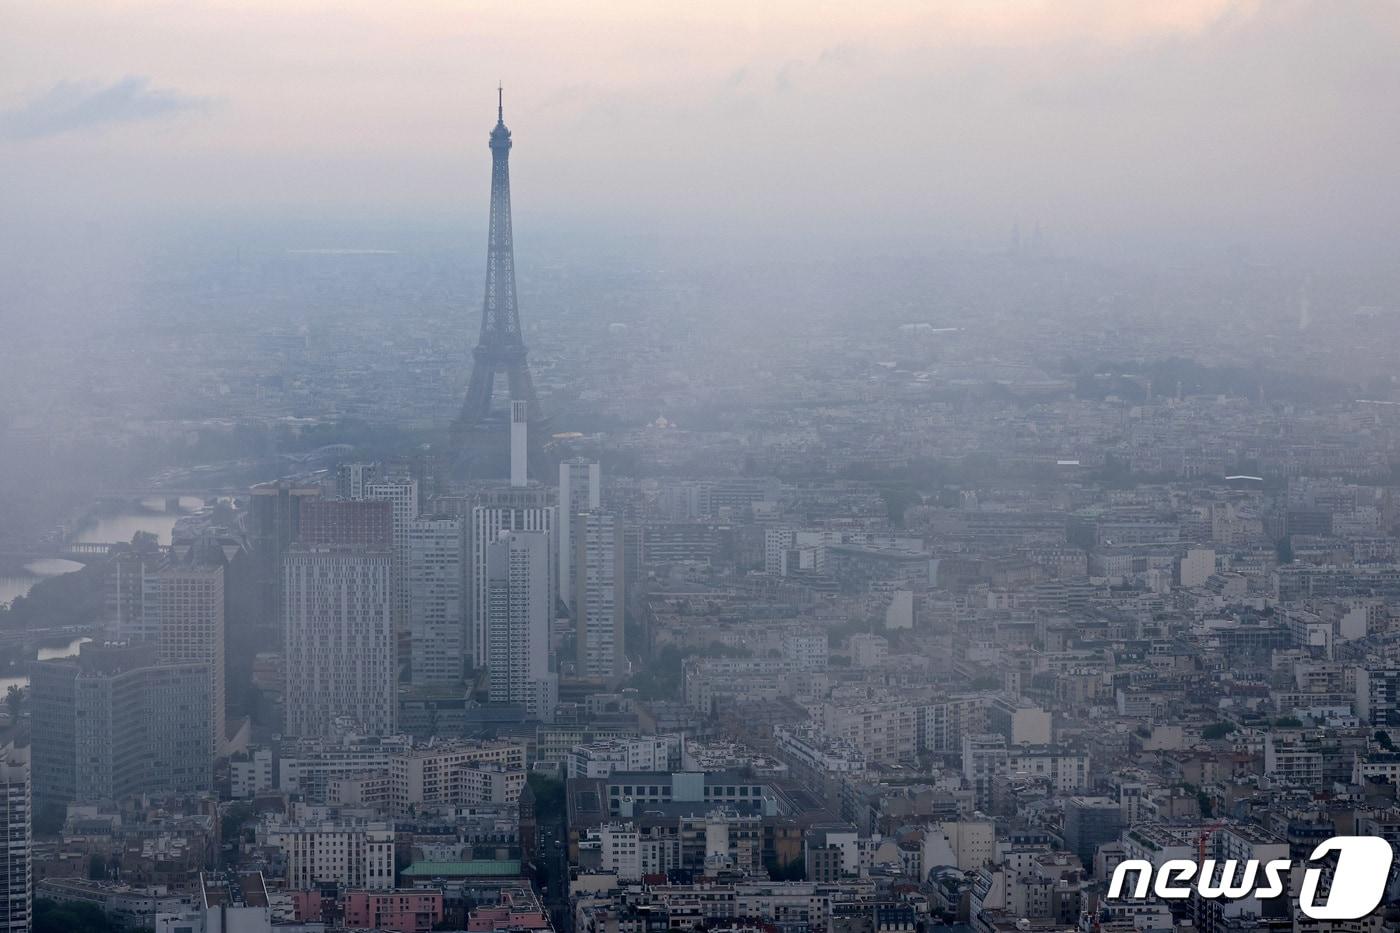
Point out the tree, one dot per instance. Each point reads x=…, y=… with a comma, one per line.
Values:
x=53, y=917
x=144, y=542
x=14, y=699
x=231, y=830
x=549, y=796
x=795, y=870
x=1217, y=730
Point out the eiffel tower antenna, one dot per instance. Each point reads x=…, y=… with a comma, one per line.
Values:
x=501, y=349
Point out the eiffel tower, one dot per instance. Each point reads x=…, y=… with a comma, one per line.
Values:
x=501, y=348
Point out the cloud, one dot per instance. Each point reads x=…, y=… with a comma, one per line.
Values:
x=74, y=106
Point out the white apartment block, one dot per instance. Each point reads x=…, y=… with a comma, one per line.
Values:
x=519, y=608
x=580, y=490
x=643, y=753
x=402, y=495
x=308, y=768
x=191, y=629
x=353, y=856
x=599, y=601
x=529, y=508
x=251, y=777
x=883, y=731
x=455, y=775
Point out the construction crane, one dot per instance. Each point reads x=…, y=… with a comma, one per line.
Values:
x=1205, y=835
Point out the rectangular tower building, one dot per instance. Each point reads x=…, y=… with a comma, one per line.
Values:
x=339, y=640
x=112, y=724
x=16, y=844
x=580, y=490
x=437, y=582
x=519, y=603
x=192, y=630
x=402, y=494
x=600, y=600
x=274, y=522
x=508, y=508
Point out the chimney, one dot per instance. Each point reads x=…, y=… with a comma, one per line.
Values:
x=517, y=442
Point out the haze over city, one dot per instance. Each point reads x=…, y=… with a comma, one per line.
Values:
x=619, y=467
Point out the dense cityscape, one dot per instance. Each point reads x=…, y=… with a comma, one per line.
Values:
x=883, y=593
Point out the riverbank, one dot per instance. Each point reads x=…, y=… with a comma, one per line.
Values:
x=53, y=604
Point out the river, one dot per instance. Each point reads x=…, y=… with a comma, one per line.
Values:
x=107, y=529
x=17, y=584
x=115, y=529
x=45, y=654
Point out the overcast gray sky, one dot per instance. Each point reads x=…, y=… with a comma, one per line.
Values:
x=1100, y=119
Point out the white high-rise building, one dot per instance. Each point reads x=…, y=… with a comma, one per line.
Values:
x=437, y=583
x=580, y=490
x=599, y=602
x=16, y=845
x=402, y=493
x=513, y=508
x=191, y=620
x=340, y=649
x=519, y=604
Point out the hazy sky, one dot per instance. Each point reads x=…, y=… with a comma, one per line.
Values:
x=1098, y=118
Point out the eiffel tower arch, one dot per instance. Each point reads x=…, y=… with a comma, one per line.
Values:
x=479, y=434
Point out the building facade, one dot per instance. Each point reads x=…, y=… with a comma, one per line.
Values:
x=519, y=600
x=339, y=640
x=437, y=583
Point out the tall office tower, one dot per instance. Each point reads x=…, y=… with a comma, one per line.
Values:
x=600, y=598
x=519, y=604
x=274, y=522
x=501, y=348
x=402, y=494
x=508, y=508
x=580, y=490
x=16, y=845
x=191, y=604
x=437, y=583
x=351, y=479
x=130, y=599
x=339, y=640
x=113, y=723
x=352, y=523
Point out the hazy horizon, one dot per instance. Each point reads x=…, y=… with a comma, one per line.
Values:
x=1114, y=127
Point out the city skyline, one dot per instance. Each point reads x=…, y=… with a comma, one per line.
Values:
x=904, y=468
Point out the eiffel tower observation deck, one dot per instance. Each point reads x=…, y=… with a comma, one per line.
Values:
x=480, y=430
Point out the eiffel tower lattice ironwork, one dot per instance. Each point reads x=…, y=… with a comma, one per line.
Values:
x=501, y=348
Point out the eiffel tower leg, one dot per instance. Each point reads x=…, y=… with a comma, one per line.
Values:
x=478, y=402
